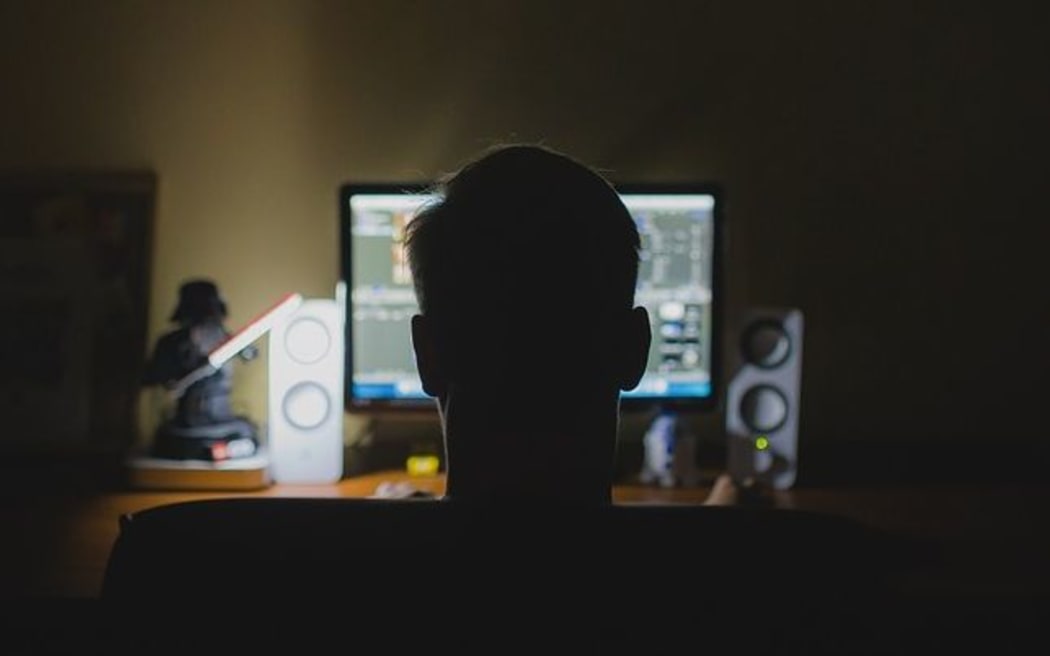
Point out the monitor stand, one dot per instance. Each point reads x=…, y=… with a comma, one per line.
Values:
x=670, y=453
x=389, y=442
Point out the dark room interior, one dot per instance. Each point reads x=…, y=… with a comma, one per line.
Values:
x=883, y=171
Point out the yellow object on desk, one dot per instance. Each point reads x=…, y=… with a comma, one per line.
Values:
x=422, y=465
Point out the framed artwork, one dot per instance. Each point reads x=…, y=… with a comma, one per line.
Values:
x=75, y=262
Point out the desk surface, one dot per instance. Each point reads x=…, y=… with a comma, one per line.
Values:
x=59, y=539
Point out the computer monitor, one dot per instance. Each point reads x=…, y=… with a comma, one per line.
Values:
x=678, y=283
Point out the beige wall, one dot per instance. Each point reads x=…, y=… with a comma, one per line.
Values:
x=855, y=145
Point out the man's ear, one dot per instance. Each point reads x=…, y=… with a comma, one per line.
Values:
x=634, y=348
x=428, y=363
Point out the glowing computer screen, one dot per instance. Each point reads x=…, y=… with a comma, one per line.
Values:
x=678, y=283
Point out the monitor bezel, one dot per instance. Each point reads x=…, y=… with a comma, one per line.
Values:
x=354, y=404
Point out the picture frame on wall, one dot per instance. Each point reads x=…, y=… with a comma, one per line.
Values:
x=75, y=266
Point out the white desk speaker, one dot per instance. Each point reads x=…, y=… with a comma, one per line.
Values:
x=762, y=400
x=306, y=394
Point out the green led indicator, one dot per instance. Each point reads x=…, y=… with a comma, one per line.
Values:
x=762, y=443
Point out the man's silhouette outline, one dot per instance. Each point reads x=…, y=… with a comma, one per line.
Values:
x=525, y=272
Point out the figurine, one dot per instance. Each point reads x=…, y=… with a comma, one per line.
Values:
x=202, y=425
x=670, y=453
x=659, y=444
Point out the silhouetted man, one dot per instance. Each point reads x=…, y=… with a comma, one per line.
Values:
x=525, y=274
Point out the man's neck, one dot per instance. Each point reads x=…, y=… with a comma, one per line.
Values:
x=566, y=460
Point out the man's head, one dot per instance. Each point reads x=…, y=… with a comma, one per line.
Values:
x=525, y=271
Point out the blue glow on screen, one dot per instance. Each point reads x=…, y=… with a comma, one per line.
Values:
x=392, y=391
x=678, y=390
x=384, y=391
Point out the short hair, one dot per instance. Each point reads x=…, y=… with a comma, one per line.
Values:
x=519, y=233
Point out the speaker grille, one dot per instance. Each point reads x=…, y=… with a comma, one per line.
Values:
x=766, y=344
x=764, y=408
x=306, y=405
x=307, y=340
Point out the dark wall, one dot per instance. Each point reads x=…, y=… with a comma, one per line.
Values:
x=881, y=162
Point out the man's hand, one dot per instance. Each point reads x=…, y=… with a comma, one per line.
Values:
x=723, y=493
x=399, y=490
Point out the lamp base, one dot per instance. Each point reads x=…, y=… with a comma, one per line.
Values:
x=146, y=472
